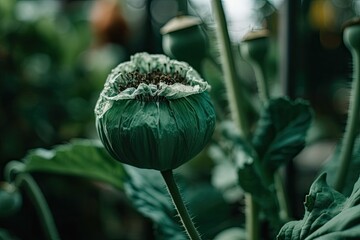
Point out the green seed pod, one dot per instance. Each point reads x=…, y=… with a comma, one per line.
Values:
x=10, y=199
x=184, y=40
x=154, y=112
x=255, y=45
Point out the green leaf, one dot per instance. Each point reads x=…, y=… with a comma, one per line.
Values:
x=250, y=176
x=242, y=157
x=328, y=215
x=281, y=131
x=251, y=182
x=80, y=157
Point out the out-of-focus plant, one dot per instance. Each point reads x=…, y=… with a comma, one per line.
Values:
x=45, y=97
x=50, y=76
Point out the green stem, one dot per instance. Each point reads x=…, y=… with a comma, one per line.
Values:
x=259, y=70
x=281, y=197
x=183, y=6
x=351, y=129
x=179, y=205
x=237, y=102
x=236, y=96
x=252, y=217
x=12, y=169
x=38, y=199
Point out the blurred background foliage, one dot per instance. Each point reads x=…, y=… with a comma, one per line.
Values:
x=54, y=59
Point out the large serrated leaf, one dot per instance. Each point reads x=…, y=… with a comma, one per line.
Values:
x=80, y=157
x=328, y=215
x=281, y=131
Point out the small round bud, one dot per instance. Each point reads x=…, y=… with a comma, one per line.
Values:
x=254, y=45
x=10, y=199
x=184, y=40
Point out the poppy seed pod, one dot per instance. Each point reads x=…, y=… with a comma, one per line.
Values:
x=154, y=112
x=255, y=45
x=183, y=39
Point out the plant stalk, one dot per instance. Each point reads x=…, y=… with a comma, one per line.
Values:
x=288, y=34
x=180, y=207
x=351, y=129
x=252, y=218
x=281, y=197
x=236, y=96
x=183, y=6
x=42, y=208
x=237, y=102
x=264, y=95
x=263, y=89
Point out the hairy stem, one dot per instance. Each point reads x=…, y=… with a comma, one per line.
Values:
x=236, y=96
x=179, y=205
x=351, y=129
x=237, y=102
